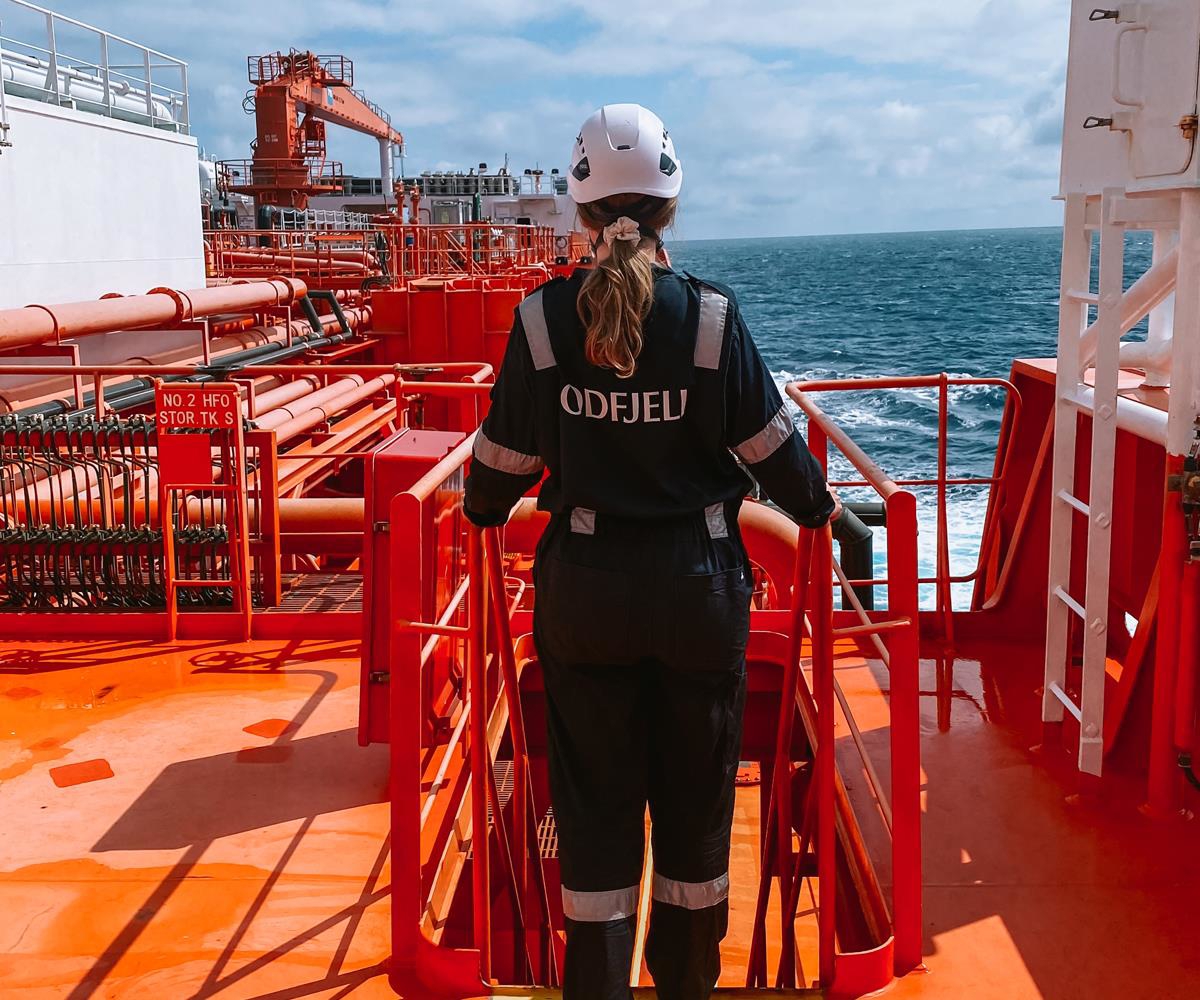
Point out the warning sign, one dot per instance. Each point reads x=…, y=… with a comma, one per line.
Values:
x=208, y=407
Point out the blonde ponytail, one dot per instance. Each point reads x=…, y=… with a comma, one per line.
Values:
x=618, y=292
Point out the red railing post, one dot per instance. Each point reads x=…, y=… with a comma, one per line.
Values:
x=406, y=714
x=944, y=593
x=904, y=654
x=826, y=776
x=477, y=705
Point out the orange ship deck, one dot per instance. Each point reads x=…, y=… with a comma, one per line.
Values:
x=198, y=821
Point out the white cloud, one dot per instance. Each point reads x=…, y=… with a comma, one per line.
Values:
x=797, y=116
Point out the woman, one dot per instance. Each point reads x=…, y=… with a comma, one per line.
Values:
x=635, y=387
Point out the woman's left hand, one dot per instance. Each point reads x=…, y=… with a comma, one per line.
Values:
x=837, y=505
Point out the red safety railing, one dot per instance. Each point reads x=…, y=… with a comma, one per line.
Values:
x=269, y=174
x=827, y=819
x=943, y=578
x=898, y=646
x=448, y=724
x=458, y=702
x=386, y=255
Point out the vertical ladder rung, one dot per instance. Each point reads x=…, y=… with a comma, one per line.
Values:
x=1070, y=602
x=1075, y=502
x=1068, y=702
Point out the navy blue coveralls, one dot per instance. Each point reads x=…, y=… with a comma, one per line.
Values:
x=642, y=605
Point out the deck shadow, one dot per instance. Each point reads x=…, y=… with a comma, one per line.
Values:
x=201, y=800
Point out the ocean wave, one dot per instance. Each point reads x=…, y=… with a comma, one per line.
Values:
x=856, y=307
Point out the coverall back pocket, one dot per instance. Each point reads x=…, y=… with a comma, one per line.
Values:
x=582, y=614
x=712, y=620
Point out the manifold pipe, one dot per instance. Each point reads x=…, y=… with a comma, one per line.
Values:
x=282, y=414
x=227, y=348
x=36, y=324
x=360, y=257
x=1143, y=295
x=264, y=402
x=319, y=414
x=297, y=515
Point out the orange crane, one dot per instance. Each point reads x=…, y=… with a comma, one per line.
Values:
x=294, y=96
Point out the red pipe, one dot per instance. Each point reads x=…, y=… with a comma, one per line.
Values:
x=297, y=515
x=36, y=324
x=286, y=393
x=282, y=414
x=235, y=325
x=319, y=414
x=358, y=257
x=34, y=392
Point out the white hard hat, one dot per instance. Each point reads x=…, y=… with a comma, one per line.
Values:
x=623, y=149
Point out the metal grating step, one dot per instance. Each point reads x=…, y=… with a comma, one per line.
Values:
x=547, y=830
x=323, y=592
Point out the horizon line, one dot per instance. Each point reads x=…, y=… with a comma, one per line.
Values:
x=890, y=232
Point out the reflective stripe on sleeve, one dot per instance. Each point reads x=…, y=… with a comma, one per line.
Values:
x=691, y=895
x=502, y=459
x=598, y=907
x=714, y=307
x=766, y=442
x=533, y=318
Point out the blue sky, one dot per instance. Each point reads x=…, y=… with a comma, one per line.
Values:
x=790, y=117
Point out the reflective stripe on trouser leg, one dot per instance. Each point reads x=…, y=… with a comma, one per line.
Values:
x=599, y=907
x=583, y=521
x=714, y=517
x=691, y=895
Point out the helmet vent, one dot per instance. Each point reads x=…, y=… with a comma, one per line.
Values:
x=667, y=165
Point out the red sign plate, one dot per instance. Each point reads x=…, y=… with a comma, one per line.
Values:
x=208, y=407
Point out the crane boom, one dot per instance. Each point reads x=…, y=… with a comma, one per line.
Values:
x=295, y=96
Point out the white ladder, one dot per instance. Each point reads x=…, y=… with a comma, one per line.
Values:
x=1073, y=396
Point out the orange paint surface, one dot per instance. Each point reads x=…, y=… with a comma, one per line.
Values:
x=270, y=728
x=191, y=873
x=80, y=773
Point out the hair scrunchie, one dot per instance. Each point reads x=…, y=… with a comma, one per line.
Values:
x=623, y=229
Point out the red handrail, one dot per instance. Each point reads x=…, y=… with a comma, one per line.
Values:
x=902, y=659
x=883, y=484
x=405, y=252
x=491, y=692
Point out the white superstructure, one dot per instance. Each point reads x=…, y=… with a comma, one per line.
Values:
x=1129, y=163
x=99, y=189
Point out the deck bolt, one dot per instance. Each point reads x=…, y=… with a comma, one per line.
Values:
x=1106, y=412
x=1098, y=626
x=1090, y=730
x=1103, y=520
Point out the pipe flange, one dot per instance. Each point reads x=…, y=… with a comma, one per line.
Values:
x=183, y=305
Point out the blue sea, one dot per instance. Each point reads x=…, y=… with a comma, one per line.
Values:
x=965, y=303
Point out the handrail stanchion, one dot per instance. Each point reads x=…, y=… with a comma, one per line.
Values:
x=522, y=794
x=904, y=653
x=822, y=672
x=477, y=707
